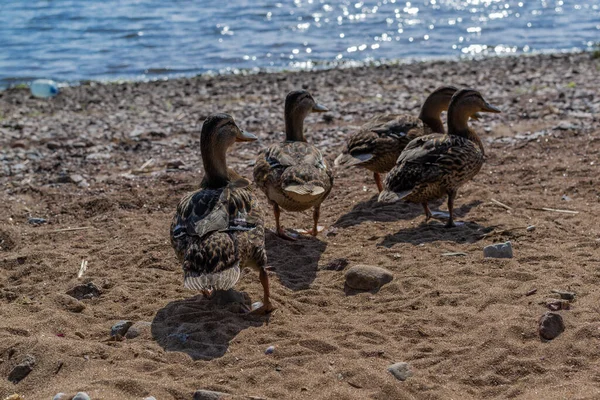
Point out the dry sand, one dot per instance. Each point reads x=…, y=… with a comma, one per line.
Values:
x=463, y=323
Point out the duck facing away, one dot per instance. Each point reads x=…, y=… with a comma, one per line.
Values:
x=219, y=229
x=377, y=145
x=436, y=165
x=293, y=174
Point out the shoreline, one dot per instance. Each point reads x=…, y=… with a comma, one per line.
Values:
x=21, y=83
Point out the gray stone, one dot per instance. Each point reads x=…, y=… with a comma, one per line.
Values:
x=20, y=371
x=208, y=395
x=551, y=325
x=270, y=350
x=140, y=328
x=120, y=328
x=150, y=398
x=81, y=396
x=84, y=291
x=401, y=371
x=60, y=396
x=367, y=277
x=498, y=250
x=36, y=221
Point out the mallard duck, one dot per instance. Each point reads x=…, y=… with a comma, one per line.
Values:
x=434, y=165
x=377, y=145
x=293, y=174
x=219, y=229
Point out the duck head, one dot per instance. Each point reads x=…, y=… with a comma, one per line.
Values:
x=434, y=105
x=298, y=104
x=465, y=104
x=219, y=132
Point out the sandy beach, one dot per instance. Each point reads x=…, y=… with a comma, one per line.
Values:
x=104, y=166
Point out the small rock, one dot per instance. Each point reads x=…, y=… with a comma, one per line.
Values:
x=401, y=371
x=76, y=178
x=15, y=397
x=336, y=265
x=60, y=396
x=69, y=303
x=556, y=305
x=150, y=398
x=566, y=126
x=531, y=228
x=85, y=291
x=208, y=395
x=531, y=292
x=140, y=328
x=564, y=295
x=367, y=277
x=551, y=325
x=499, y=250
x=270, y=350
x=120, y=328
x=565, y=198
x=175, y=164
x=20, y=371
x=81, y=396
x=37, y=221
x=53, y=146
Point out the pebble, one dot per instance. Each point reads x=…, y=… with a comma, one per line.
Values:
x=60, y=396
x=564, y=295
x=120, y=328
x=84, y=291
x=270, y=350
x=531, y=228
x=69, y=303
x=150, y=398
x=20, y=371
x=401, y=371
x=81, y=396
x=208, y=395
x=551, y=325
x=367, y=277
x=140, y=328
x=37, y=221
x=498, y=250
x=337, y=264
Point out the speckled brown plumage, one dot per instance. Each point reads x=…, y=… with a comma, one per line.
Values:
x=219, y=229
x=377, y=145
x=293, y=174
x=436, y=165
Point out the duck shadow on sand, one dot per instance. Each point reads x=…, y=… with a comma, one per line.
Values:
x=203, y=328
x=372, y=210
x=434, y=231
x=295, y=263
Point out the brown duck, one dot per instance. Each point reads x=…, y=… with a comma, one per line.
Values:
x=377, y=145
x=293, y=174
x=219, y=229
x=436, y=165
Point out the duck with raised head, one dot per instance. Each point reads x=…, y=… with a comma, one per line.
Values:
x=219, y=229
x=436, y=165
x=377, y=144
x=293, y=174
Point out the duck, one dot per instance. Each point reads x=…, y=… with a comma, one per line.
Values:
x=294, y=174
x=377, y=144
x=436, y=165
x=218, y=229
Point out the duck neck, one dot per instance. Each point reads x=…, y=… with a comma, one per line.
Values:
x=215, y=164
x=433, y=122
x=294, y=127
x=458, y=125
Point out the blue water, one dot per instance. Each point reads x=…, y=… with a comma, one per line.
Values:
x=72, y=40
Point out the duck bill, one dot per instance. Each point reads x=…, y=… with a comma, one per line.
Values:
x=319, y=108
x=244, y=136
x=490, y=108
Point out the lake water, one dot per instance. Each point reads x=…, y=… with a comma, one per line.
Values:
x=72, y=40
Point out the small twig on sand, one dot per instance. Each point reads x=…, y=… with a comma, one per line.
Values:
x=454, y=254
x=501, y=204
x=82, y=268
x=554, y=210
x=70, y=229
